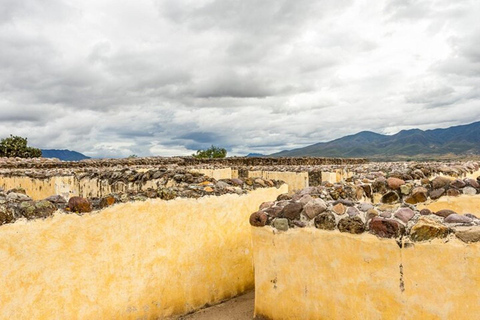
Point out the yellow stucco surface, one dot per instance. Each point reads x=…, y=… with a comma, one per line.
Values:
x=295, y=180
x=461, y=204
x=220, y=173
x=139, y=260
x=37, y=189
x=316, y=274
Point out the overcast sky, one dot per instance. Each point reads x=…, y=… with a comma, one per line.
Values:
x=112, y=78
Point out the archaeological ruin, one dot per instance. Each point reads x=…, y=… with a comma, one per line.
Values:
x=153, y=238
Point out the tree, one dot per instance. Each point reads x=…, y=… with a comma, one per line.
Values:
x=212, y=152
x=15, y=146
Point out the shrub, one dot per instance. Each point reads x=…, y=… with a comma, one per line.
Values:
x=15, y=146
x=212, y=152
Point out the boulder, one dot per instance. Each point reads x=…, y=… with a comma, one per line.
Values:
x=313, y=208
x=325, y=221
x=428, y=229
x=292, y=211
x=390, y=197
x=79, y=205
x=351, y=225
x=468, y=234
x=258, y=219
x=386, y=228
x=404, y=214
x=395, y=183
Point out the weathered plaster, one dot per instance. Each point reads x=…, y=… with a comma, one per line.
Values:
x=138, y=260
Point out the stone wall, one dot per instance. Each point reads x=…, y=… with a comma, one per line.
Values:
x=45, y=163
x=137, y=260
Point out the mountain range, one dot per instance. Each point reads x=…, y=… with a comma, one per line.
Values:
x=461, y=140
x=65, y=155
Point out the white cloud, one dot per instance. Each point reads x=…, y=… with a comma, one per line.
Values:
x=111, y=78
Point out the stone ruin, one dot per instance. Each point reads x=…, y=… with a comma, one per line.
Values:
x=389, y=201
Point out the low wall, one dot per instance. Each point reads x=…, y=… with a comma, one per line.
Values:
x=138, y=260
x=66, y=186
x=316, y=274
x=217, y=174
x=295, y=180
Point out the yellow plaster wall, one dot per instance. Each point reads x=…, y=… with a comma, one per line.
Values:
x=316, y=274
x=295, y=180
x=461, y=204
x=39, y=189
x=217, y=174
x=139, y=260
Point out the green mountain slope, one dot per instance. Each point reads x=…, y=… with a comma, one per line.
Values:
x=458, y=140
x=65, y=155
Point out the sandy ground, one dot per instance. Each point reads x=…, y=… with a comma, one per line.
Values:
x=239, y=308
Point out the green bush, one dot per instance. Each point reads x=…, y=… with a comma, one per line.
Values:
x=15, y=146
x=212, y=152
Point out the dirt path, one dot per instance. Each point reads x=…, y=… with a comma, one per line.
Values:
x=239, y=308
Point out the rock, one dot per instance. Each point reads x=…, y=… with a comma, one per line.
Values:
x=386, y=228
x=395, y=183
x=266, y=205
x=406, y=189
x=292, y=211
x=404, y=214
x=151, y=193
x=427, y=229
x=283, y=196
x=79, y=205
x=273, y=211
x=167, y=194
x=345, y=202
x=305, y=199
x=18, y=197
x=425, y=212
x=379, y=185
x=457, y=218
x=453, y=193
x=386, y=214
x=351, y=225
x=38, y=209
x=56, y=199
x=6, y=215
x=457, y=183
x=444, y=213
x=107, y=201
x=314, y=207
x=339, y=209
x=260, y=182
x=437, y=193
x=371, y=214
x=440, y=182
x=364, y=206
x=17, y=190
x=237, y=182
x=472, y=183
x=352, y=211
x=367, y=188
x=469, y=191
x=418, y=195
x=325, y=221
x=390, y=197
x=281, y=224
x=309, y=190
x=468, y=234
x=258, y=219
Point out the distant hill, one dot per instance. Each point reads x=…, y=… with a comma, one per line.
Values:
x=65, y=155
x=255, y=155
x=416, y=143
